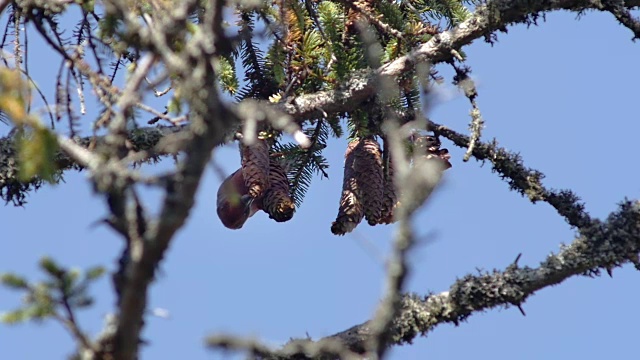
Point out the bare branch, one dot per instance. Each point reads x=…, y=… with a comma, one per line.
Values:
x=97, y=165
x=526, y=181
x=624, y=16
x=69, y=320
x=603, y=245
x=467, y=85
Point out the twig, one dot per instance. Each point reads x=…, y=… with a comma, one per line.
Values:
x=129, y=96
x=161, y=115
x=72, y=324
x=467, y=85
x=375, y=20
x=252, y=110
x=526, y=181
x=79, y=54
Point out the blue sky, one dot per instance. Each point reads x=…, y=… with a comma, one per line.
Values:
x=564, y=95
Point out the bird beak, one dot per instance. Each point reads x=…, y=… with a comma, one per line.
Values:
x=246, y=200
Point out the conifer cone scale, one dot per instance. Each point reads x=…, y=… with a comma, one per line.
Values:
x=370, y=178
x=350, y=212
x=255, y=167
x=277, y=200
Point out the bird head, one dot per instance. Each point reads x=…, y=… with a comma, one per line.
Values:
x=235, y=210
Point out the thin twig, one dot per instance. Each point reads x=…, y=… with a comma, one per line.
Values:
x=72, y=324
x=520, y=178
x=375, y=20
x=17, y=50
x=464, y=82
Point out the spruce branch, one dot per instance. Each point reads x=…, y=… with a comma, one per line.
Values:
x=361, y=86
x=304, y=162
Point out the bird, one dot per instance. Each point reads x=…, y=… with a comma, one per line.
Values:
x=234, y=204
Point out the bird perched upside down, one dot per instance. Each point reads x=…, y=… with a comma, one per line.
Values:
x=235, y=205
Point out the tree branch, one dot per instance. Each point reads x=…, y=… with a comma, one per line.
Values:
x=603, y=245
x=526, y=181
x=210, y=121
x=623, y=15
x=495, y=15
x=153, y=141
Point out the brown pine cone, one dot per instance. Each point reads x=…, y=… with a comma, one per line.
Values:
x=350, y=212
x=277, y=200
x=369, y=176
x=255, y=167
x=389, y=198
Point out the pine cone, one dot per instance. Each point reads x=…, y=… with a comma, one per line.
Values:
x=389, y=198
x=255, y=167
x=369, y=176
x=277, y=200
x=350, y=212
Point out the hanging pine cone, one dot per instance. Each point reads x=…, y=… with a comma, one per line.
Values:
x=255, y=167
x=277, y=200
x=389, y=198
x=370, y=179
x=350, y=212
